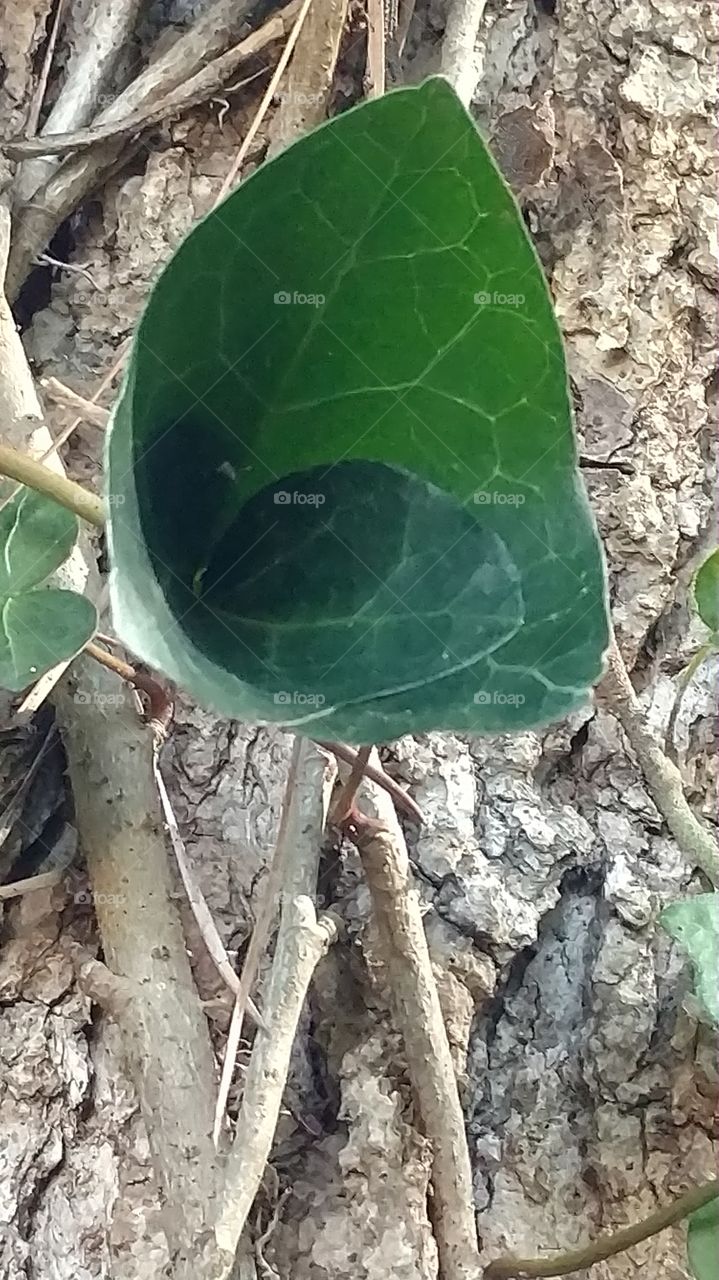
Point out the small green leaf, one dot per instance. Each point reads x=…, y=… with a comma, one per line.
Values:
x=703, y=1242
x=706, y=591
x=695, y=925
x=39, y=629
x=36, y=537
x=343, y=480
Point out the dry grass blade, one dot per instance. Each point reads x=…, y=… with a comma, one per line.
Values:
x=265, y=102
x=200, y=910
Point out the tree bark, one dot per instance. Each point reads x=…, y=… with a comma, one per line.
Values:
x=587, y=1084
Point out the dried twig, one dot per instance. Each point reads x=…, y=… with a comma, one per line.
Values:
x=120, y=825
x=265, y=101
x=64, y=396
x=93, y=58
x=26, y=470
x=459, y=57
x=258, y=942
x=200, y=910
x=301, y=942
x=376, y=59
x=377, y=774
x=683, y=683
x=46, y=880
x=661, y=775
x=270, y=906
x=209, y=37
x=346, y=798
x=564, y=1264
x=306, y=91
x=197, y=90
x=418, y=1014
x=38, y=96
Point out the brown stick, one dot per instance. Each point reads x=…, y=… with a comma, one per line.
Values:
x=376, y=57
x=563, y=1264
x=265, y=101
x=209, y=37
x=418, y=1015
x=19, y=466
x=301, y=942
x=69, y=399
x=348, y=792
x=258, y=942
x=379, y=775
x=662, y=776
x=120, y=825
x=458, y=57
x=193, y=94
x=305, y=94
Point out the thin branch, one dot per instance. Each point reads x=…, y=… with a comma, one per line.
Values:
x=200, y=910
x=377, y=774
x=563, y=1264
x=418, y=1015
x=119, y=822
x=339, y=749
x=661, y=775
x=683, y=683
x=211, y=35
x=348, y=792
x=111, y=993
x=19, y=466
x=406, y=13
x=41, y=86
x=459, y=62
x=46, y=880
x=306, y=91
x=64, y=396
x=301, y=942
x=94, y=53
x=197, y=90
x=265, y=101
x=258, y=941
x=376, y=59
x=270, y=905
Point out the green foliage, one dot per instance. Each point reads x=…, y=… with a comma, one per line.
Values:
x=39, y=626
x=695, y=925
x=344, y=491
x=703, y=1242
x=706, y=591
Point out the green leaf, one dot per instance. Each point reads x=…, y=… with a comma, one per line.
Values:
x=343, y=481
x=703, y=1242
x=706, y=591
x=36, y=536
x=695, y=925
x=39, y=629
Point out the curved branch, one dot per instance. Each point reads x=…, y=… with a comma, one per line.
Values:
x=662, y=777
x=21, y=467
x=563, y=1264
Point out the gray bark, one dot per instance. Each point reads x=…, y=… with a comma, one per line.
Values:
x=588, y=1085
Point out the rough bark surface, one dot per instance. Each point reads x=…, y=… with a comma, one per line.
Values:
x=587, y=1082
